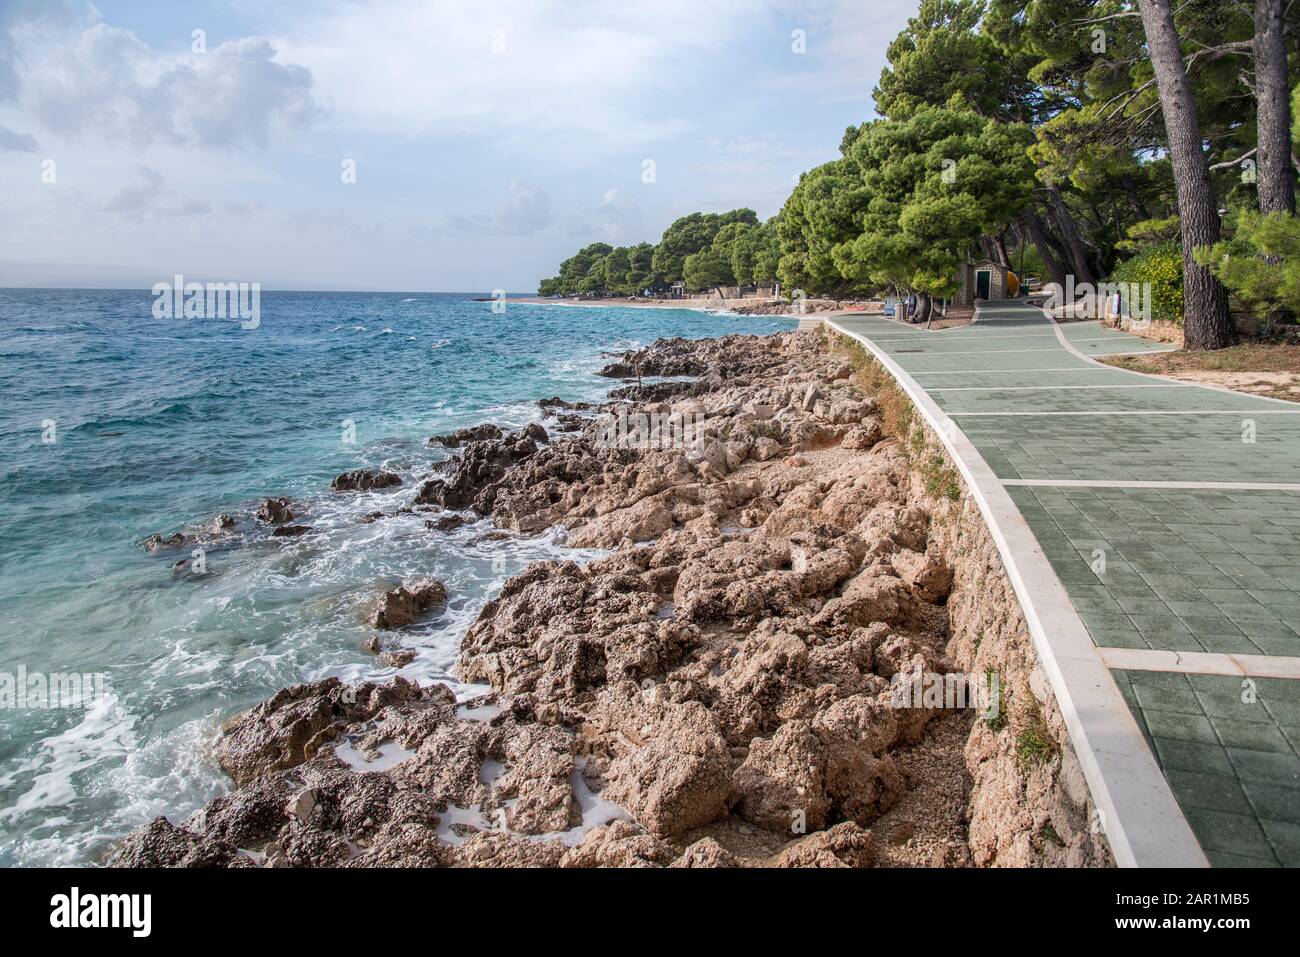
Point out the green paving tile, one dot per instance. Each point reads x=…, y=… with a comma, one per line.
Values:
x=1215, y=792
x=1285, y=838
x=1251, y=735
x=1236, y=776
x=1192, y=591
x=1265, y=766
x=1239, y=834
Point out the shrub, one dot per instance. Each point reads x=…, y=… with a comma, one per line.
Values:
x=1162, y=267
x=1261, y=262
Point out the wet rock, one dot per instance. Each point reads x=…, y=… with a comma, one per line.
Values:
x=291, y=531
x=469, y=481
x=476, y=433
x=365, y=480
x=158, y=543
x=400, y=658
x=400, y=606
x=446, y=523
x=296, y=722
x=161, y=844
x=275, y=511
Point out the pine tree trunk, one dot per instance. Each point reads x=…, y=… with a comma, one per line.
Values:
x=1000, y=250
x=1276, y=180
x=923, y=306
x=1078, y=255
x=1043, y=243
x=1134, y=199
x=1206, y=324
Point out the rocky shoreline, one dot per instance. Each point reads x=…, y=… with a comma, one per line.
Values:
x=730, y=685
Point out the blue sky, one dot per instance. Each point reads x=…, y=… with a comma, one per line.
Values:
x=490, y=138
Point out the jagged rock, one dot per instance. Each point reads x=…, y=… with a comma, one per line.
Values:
x=400, y=606
x=475, y=433
x=158, y=543
x=680, y=778
x=469, y=482
x=929, y=576
x=365, y=480
x=275, y=511
x=296, y=722
x=706, y=852
x=161, y=844
x=400, y=658
x=766, y=449
x=844, y=845
x=290, y=531
x=447, y=523
x=864, y=437
x=619, y=844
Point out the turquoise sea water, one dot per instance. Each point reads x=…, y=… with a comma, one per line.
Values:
x=160, y=423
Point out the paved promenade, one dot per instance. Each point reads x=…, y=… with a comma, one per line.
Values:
x=1152, y=531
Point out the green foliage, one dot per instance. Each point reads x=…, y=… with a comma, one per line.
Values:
x=1160, y=265
x=693, y=234
x=936, y=183
x=1261, y=262
x=1150, y=232
x=1034, y=744
x=707, y=269
x=941, y=54
x=824, y=210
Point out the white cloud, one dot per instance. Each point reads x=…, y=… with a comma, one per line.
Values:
x=146, y=198
x=97, y=80
x=565, y=67
x=528, y=211
x=615, y=220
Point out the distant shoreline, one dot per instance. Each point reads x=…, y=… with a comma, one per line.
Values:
x=694, y=305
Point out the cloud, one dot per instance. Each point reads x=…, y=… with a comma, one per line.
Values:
x=97, y=80
x=615, y=220
x=513, y=69
x=147, y=199
x=527, y=212
x=18, y=142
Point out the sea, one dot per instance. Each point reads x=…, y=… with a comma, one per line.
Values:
x=116, y=424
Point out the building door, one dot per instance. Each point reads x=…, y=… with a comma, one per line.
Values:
x=983, y=283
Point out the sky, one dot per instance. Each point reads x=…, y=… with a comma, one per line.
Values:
x=463, y=145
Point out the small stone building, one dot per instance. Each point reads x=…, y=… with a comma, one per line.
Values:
x=982, y=280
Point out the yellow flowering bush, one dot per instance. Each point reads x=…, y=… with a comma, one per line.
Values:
x=1162, y=267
